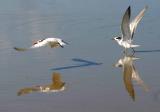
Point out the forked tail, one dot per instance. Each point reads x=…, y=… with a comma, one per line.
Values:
x=135, y=46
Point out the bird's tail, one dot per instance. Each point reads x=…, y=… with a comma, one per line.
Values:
x=135, y=46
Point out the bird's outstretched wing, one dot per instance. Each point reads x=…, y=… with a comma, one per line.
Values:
x=125, y=25
x=20, y=49
x=136, y=20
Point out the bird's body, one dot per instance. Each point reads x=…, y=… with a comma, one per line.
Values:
x=128, y=29
x=49, y=89
x=52, y=42
x=126, y=44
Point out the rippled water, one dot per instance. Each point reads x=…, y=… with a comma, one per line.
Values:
x=86, y=66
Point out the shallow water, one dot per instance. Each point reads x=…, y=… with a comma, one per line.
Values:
x=86, y=66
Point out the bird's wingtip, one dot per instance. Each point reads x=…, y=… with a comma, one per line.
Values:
x=128, y=11
x=146, y=7
x=129, y=7
x=19, y=49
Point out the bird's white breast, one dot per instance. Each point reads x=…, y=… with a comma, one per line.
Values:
x=125, y=44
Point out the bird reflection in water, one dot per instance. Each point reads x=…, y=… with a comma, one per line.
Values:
x=130, y=75
x=56, y=86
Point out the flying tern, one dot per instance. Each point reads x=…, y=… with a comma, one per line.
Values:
x=52, y=42
x=128, y=29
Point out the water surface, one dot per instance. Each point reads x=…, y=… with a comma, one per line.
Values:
x=92, y=83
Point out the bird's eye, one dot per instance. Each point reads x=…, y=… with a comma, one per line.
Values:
x=41, y=40
x=118, y=38
x=34, y=43
x=119, y=65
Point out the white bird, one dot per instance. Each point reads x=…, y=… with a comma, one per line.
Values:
x=130, y=74
x=52, y=42
x=128, y=29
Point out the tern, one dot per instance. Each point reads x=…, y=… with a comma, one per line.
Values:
x=56, y=86
x=130, y=74
x=52, y=42
x=128, y=29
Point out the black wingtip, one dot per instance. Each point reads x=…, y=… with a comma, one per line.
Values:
x=19, y=49
x=16, y=48
x=129, y=10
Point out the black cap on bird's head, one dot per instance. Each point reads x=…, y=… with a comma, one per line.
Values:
x=117, y=38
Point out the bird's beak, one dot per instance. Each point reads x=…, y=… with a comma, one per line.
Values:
x=65, y=42
x=112, y=38
x=62, y=46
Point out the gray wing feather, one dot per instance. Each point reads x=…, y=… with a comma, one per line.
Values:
x=125, y=25
x=134, y=23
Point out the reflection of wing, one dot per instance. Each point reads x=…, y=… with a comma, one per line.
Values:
x=125, y=25
x=139, y=81
x=130, y=74
x=56, y=81
x=27, y=91
x=128, y=80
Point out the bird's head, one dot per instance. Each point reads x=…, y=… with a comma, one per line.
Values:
x=117, y=38
x=38, y=41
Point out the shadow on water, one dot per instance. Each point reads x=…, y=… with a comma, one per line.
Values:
x=82, y=63
x=148, y=51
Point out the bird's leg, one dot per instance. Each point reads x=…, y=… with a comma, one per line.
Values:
x=125, y=51
x=133, y=50
x=132, y=54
